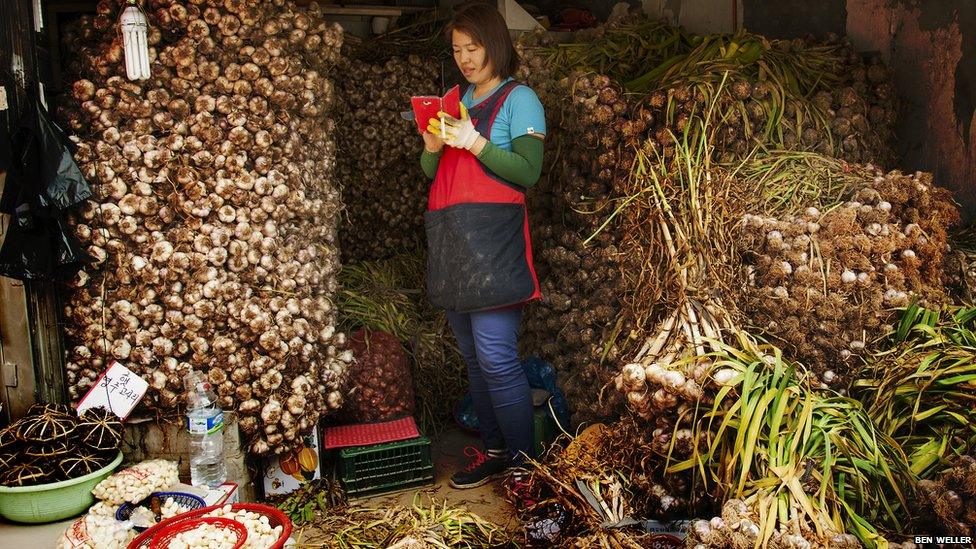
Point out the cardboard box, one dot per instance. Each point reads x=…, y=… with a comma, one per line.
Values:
x=227, y=493
x=288, y=472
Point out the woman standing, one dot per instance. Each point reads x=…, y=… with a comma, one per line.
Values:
x=479, y=252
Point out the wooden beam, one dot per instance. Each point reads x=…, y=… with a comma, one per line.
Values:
x=328, y=8
x=384, y=11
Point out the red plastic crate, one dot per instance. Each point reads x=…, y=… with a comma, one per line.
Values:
x=368, y=434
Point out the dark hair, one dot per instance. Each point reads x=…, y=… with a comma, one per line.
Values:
x=487, y=28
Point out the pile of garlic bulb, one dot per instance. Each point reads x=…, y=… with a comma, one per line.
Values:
x=205, y=536
x=97, y=529
x=576, y=252
x=171, y=508
x=826, y=284
x=260, y=533
x=599, y=285
x=738, y=527
x=135, y=483
x=946, y=505
x=384, y=188
x=144, y=517
x=214, y=227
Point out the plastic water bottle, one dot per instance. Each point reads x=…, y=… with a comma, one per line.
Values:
x=205, y=423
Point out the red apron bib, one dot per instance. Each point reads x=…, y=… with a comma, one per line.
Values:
x=479, y=249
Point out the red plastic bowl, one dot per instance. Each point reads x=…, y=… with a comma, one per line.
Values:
x=275, y=518
x=162, y=539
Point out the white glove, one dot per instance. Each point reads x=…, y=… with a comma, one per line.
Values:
x=455, y=133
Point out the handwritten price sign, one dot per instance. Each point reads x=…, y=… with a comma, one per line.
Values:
x=117, y=390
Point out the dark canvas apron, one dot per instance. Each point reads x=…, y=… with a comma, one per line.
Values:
x=479, y=249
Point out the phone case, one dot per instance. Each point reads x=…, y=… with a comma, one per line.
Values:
x=427, y=107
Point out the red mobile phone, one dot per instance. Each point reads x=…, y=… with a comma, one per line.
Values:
x=427, y=107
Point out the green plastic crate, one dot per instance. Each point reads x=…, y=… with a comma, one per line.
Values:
x=543, y=423
x=544, y=429
x=381, y=468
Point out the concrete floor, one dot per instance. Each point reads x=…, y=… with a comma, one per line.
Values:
x=39, y=536
x=487, y=501
x=447, y=450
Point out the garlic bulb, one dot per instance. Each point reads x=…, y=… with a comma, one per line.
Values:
x=633, y=376
x=97, y=530
x=205, y=536
x=171, y=508
x=724, y=377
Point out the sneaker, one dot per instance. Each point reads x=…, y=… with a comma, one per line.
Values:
x=482, y=469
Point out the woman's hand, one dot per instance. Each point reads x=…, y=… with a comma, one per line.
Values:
x=432, y=142
x=458, y=132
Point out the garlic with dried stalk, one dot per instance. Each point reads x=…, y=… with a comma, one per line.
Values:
x=869, y=260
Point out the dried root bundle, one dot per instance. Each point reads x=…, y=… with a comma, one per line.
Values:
x=614, y=463
x=425, y=525
x=51, y=443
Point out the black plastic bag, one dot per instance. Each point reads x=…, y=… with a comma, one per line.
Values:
x=43, y=170
x=64, y=185
x=42, y=185
x=47, y=251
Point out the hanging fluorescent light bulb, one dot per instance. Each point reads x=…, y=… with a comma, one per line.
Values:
x=135, y=42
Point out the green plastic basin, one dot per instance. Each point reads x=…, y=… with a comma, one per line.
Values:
x=54, y=501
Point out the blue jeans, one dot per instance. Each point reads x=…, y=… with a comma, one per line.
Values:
x=499, y=388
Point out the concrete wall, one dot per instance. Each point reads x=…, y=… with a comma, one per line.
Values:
x=931, y=47
x=701, y=16
x=146, y=438
x=792, y=18
x=704, y=16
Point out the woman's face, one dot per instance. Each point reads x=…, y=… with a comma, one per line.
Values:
x=470, y=58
